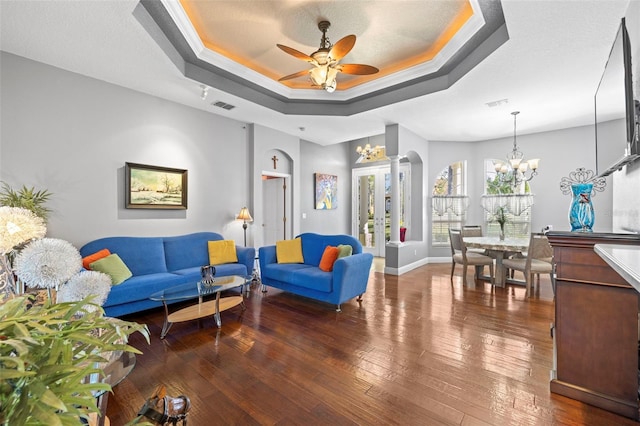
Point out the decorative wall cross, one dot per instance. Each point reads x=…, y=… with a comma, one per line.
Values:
x=275, y=159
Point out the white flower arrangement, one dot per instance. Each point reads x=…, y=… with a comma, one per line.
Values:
x=18, y=226
x=48, y=263
x=83, y=284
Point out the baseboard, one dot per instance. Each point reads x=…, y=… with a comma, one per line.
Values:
x=406, y=268
x=627, y=408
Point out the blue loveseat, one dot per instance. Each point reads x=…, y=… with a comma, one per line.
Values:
x=161, y=262
x=348, y=279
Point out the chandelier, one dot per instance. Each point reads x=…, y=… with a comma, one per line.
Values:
x=514, y=170
x=369, y=153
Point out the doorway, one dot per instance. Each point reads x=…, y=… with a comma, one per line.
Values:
x=276, y=204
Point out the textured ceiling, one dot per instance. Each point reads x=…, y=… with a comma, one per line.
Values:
x=413, y=68
x=390, y=36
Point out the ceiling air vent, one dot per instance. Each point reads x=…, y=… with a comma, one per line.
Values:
x=223, y=105
x=494, y=104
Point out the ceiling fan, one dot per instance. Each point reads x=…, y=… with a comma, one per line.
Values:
x=326, y=60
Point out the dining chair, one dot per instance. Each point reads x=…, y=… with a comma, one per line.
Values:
x=538, y=260
x=460, y=255
x=474, y=231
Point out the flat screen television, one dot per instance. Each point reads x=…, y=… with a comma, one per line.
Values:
x=616, y=112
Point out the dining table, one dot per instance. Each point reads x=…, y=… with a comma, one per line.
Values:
x=499, y=249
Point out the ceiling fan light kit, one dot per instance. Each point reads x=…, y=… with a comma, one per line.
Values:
x=326, y=61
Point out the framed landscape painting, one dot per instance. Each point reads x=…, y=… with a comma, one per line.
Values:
x=154, y=187
x=326, y=191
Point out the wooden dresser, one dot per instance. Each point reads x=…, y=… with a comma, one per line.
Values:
x=596, y=325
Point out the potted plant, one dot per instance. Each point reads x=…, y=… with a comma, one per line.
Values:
x=27, y=198
x=45, y=353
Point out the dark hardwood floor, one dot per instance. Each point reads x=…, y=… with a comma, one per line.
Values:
x=419, y=350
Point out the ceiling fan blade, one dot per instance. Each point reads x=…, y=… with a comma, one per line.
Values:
x=357, y=69
x=296, y=53
x=295, y=75
x=342, y=47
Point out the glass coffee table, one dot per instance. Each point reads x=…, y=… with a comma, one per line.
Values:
x=202, y=309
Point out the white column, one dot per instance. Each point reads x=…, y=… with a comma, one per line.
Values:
x=395, y=200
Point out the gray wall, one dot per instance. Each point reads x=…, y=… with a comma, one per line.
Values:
x=263, y=144
x=333, y=160
x=561, y=152
x=72, y=135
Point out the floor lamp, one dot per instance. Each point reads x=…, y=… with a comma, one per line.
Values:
x=244, y=216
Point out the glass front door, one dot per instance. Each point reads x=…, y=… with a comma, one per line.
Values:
x=371, y=210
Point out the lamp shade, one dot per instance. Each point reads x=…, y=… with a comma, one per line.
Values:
x=244, y=215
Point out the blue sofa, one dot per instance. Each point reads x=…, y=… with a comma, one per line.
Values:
x=348, y=279
x=158, y=263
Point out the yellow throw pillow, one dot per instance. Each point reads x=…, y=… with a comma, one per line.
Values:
x=289, y=251
x=222, y=251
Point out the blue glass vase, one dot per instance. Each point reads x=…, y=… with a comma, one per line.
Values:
x=581, y=215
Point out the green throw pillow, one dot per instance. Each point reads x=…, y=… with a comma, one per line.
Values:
x=113, y=266
x=344, y=250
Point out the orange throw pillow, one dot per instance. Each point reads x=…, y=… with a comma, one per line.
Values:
x=329, y=257
x=88, y=260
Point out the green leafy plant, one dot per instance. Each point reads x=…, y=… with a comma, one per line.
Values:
x=45, y=353
x=501, y=216
x=27, y=198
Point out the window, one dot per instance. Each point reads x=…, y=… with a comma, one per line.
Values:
x=449, y=203
x=517, y=202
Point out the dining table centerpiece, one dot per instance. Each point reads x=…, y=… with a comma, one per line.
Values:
x=501, y=218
